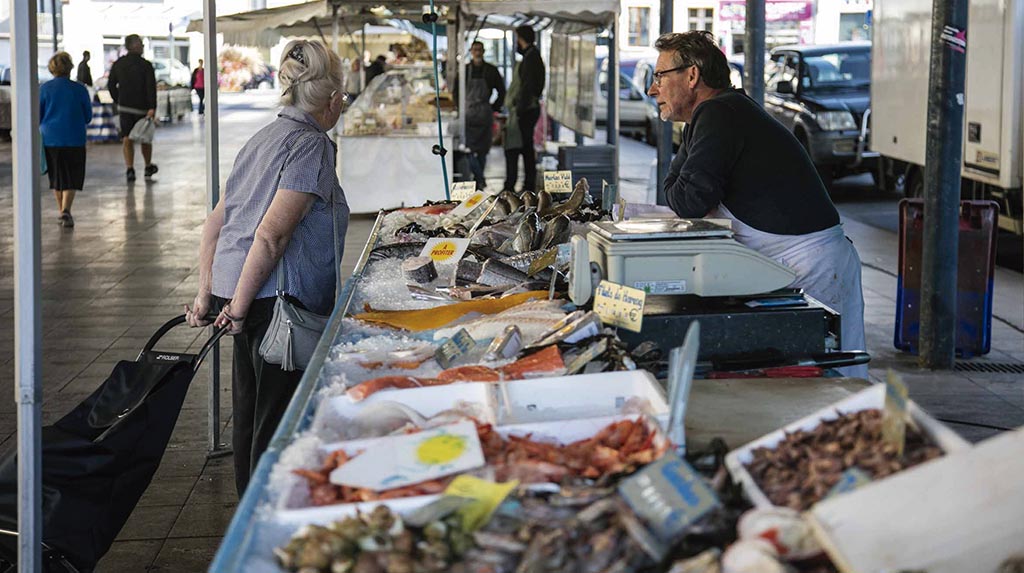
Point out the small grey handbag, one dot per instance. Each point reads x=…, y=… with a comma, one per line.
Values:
x=294, y=332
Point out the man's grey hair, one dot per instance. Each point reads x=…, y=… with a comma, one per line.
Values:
x=697, y=48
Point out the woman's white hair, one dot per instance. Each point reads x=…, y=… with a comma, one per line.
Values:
x=309, y=73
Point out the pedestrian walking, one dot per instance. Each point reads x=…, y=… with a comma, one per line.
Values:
x=84, y=73
x=64, y=111
x=275, y=230
x=523, y=102
x=132, y=85
x=482, y=81
x=199, y=84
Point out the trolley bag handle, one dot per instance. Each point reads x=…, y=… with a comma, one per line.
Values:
x=176, y=321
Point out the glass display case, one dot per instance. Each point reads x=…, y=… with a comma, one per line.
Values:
x=398, y=102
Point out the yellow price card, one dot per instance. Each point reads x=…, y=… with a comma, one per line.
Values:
x=486, y=496
x=619, y=305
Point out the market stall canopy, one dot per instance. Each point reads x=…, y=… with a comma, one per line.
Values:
x=593, y=12
x=266, y=27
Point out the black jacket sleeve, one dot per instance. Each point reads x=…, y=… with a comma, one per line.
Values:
x=699, y=173
x=531, y=76
x=495, y=82
x=150, y=84
x=113, y=83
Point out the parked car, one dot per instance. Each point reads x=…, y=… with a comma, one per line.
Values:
x=5, y=97
x=177, y=75
x=822, y=93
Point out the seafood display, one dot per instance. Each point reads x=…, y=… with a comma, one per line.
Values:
x=806, y=465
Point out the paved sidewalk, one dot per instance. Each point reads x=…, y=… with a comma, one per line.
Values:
x=130, y=264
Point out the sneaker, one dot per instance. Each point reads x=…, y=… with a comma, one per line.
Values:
x=130, y=174
x=69, y=221
x=151, y=169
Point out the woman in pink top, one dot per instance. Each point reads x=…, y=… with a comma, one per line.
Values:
x=199, y=84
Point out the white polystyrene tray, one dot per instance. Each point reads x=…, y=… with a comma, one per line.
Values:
x=869, y=398
x=428, y=401
x=581, y=396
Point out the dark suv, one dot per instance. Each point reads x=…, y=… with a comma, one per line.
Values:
x=822, y=93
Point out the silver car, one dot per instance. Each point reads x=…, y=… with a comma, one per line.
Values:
x=5, y=97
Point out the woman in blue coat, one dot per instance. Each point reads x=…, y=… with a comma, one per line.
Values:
x=64, y=112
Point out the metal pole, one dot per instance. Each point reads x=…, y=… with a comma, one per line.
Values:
x=212, y=124
x=613, y=96
x=942, y=183
x=362, y=63
x=54, y=4
x=334, y=28
x=753, y=51
x=665, y=127
x=461, y=62
x=27, y=279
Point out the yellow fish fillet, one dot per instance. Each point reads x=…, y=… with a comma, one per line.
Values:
x=429, y=318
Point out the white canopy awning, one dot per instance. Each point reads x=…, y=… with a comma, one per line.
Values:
x=595, y=12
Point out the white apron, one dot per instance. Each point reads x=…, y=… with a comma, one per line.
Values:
x=827, y=268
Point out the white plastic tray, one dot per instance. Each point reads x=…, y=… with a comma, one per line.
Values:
x=574, y=397
x=869, y=398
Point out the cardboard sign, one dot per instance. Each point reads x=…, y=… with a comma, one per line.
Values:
x=542, y=262
x=445, y=251
x=398, y=461
x=486, y=496
x=468, y=204
x=669, y=496
x=850, y=480
x=894, y=418
x=463, y=190
x=453, y=348
x=558, y=181
x=619, y=305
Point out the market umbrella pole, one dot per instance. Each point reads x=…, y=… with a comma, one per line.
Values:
x=212, y=124
x=943, y=151
x=664, y=132
x=27, y=275
x=753, y=51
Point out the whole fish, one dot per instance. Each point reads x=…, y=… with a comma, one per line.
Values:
x=399, y=251
x=513, y=200
x=501, y=208
x=522, y=260
x=529, y=198
x=497, y=274
x=556, y=231
x=493, y=235
x=525, y=237
x=570, y=205
x=544, y=201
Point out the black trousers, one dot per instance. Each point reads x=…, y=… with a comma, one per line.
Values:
x=527, y=122
x=201, y=92
x=260, y=392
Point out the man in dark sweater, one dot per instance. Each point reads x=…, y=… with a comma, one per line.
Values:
x=132, y=85
x=84, y=73
x=736, y=162
x=528, y=80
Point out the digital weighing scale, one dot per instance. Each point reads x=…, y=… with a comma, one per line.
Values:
x=681, y=256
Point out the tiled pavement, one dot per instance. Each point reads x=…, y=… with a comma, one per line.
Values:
x=129, y=265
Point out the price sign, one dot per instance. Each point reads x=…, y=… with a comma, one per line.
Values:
x=468, y=204
x=463, y=190
x=445, y=251
x=669, y=496
x=453, y=348
x=894, y=418
x=486, y=496
x=619, y=305
x=558, y=181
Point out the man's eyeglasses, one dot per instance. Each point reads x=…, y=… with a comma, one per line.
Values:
x=663, y=73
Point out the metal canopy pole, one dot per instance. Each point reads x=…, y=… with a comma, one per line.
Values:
x=753, y=51
x=613, y=94
x=334, y=28
x=665, y=130
x=212, y=123
x=942, y=183
x=27, y=279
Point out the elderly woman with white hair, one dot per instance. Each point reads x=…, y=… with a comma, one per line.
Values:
x=283, y=212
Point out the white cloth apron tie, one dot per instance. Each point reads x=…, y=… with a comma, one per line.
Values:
x=827, y=268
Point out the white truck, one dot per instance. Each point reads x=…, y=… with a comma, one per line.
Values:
x=993, y=145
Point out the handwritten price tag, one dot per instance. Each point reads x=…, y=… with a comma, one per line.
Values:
x=619, y=305
x=669, y=496
x=468, y=204
x=463, y=190
x=558, y=181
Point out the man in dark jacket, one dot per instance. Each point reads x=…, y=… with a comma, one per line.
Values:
x=132, y=85
x=84, y=73
x=529, y=77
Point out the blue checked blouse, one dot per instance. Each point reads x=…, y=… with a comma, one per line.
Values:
x=298, y=150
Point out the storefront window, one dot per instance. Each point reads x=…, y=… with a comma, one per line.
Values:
x=853, y=27
x=700, y=18
x=639, y=26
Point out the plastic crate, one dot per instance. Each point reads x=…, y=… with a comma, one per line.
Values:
x=975, y=272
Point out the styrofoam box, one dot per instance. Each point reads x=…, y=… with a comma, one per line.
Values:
x=585, y=395
x=428, y=401
x=867, y=399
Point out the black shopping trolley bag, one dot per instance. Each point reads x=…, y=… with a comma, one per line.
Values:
x=99, y=459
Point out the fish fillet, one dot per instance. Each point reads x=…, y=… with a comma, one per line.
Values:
x=430, y=318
